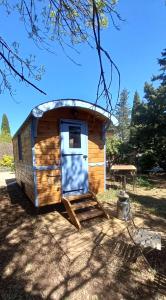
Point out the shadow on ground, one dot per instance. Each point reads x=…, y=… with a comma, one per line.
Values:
x=153, y=205
x=35, y=266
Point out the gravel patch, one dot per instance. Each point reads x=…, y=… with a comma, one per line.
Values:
x=6, y=178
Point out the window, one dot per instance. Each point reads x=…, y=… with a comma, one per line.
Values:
x=19, y=147
x=74, y=137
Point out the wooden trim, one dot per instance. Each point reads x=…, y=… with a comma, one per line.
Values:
x=47, y=168
x=91, y=164
x=33, y=130
x=105, y=168
x=104, y=140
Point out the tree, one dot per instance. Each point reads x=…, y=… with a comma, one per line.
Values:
x=148, y=126
x=67, y=22
x=162, y=63
x=135, y=109
x=5, y=128
x=138, y=118
x=155, y=126
x=123, y=116
x=5, y=136
x=113, y=144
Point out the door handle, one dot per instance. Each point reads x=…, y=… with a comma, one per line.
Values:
x=85, y=156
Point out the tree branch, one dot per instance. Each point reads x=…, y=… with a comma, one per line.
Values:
x=21, y=76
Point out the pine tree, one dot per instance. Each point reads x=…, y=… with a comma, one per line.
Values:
x=5, y=128
x=135, y=109
x=155, y=126
x=137, y=115
x=162, y=63
x=148, y=126
x=123, y=116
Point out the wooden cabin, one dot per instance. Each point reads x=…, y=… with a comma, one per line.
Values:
x=59, y=154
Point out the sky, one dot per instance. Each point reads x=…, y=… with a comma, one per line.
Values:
x=134, y=48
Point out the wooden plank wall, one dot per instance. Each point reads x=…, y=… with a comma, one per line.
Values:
x=23, y=168
x=47, y=152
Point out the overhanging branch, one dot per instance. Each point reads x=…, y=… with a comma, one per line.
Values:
x=21, y=76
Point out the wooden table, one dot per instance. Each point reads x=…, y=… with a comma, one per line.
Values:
x=122, y=171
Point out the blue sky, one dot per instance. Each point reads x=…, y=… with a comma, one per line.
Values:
x=135, y=49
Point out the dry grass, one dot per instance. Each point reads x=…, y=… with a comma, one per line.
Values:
x=149, y=195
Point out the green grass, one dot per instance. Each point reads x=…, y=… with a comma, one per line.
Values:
x=143, y=181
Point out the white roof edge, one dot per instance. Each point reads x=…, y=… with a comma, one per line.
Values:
x=39, y=110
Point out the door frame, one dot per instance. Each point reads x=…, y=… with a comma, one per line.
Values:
x=72, y=121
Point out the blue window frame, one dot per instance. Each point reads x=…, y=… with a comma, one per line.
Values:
x=19, y=147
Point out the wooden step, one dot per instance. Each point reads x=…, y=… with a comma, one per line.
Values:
x=89, y=214
x=83, y=207
x=78, y=197
x=84, y=204
x=71, y=213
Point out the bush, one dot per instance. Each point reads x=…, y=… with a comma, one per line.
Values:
x=7, y=161
x=5, y=149
x=143, y=181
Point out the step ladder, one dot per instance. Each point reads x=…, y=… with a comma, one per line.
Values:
x=83, y=207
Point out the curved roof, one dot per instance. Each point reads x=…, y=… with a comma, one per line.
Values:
x=39, y=110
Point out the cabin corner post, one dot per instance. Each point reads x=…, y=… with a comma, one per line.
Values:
x=104, y=129
x=34, y=123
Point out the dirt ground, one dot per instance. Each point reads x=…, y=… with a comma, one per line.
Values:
x=42, y=256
